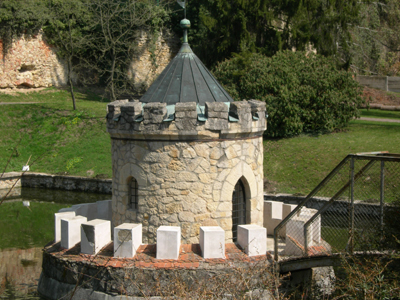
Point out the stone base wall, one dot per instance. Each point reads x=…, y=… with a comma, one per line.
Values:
x=187, y=184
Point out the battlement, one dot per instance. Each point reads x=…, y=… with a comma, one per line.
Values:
x=188, y=119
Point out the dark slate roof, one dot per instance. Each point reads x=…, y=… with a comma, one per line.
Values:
x=186, y=79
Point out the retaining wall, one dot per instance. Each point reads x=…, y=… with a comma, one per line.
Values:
x=62, y=182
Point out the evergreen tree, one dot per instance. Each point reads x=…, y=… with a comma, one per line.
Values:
x=223, y=27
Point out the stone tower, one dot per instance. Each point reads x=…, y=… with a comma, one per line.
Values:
x=187, y=155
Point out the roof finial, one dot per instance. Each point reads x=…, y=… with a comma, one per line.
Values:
x=185, y=23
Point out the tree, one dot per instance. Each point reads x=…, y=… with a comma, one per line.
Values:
x=18, y=17
x=115, y=28
x=303, y=92
x=67, y=28
x=375, y=44
x=267, y=26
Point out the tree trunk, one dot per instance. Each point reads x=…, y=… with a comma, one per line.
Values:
x=71, y=86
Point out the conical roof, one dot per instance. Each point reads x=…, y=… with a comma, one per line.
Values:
x=186, y=79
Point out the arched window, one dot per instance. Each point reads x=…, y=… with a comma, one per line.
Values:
x=133, y=193
x=238, y=208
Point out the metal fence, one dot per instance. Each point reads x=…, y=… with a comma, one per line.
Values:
x=358, y=211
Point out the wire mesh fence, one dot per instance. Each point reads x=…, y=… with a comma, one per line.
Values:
x=353, y=209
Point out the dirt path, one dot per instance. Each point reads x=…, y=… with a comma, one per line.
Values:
x=380, y=120
x=8, y=103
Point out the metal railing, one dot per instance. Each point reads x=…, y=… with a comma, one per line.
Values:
x=347, y=211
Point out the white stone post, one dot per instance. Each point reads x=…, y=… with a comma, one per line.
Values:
x=286, y=210
x=253, y=239
x=57, y=223
x=71, y=231
x=272, y=215
x=95, y=234
x=168, y=242
x=127, y=239
x=212, y=242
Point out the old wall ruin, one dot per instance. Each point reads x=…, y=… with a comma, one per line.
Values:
x=31, y=62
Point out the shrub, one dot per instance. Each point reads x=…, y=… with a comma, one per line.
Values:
x=303, y=92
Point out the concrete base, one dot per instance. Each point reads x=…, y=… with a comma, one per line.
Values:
x=127, y=239
x=212, y=242
x=71, y=231
x=253, y=239
x=57, y=223
x=168, y=242
x=95, y=235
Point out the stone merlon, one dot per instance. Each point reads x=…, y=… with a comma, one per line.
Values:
x=214, y=120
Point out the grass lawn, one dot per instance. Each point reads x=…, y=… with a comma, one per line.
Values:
x=59, y=139
x=296, y=165
x=381, y=114
x=23, y=228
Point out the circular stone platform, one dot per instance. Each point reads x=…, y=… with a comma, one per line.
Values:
x=104, y=277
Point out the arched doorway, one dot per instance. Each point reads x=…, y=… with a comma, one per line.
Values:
x=238, y=208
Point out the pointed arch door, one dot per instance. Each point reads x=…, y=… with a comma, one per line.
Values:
x=238, y=208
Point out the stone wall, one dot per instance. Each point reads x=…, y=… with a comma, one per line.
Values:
x=151, y=57
x=32, y=62
x=186, y=168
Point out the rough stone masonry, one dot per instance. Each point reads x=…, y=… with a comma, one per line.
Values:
x=186, y=168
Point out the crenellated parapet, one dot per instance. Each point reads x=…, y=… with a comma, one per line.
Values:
x=186, y=119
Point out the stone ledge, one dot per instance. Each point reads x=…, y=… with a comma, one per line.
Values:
x=61, y=182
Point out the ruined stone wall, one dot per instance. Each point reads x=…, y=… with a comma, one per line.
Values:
x=32, y=62
x=152, y=55
x=187, y=168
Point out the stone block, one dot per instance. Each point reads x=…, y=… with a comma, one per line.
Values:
x=242, y=111
x=185, y=106
x=257, y=106
x=57, y=223
x=218, y=114
x=272, y=215
x=71, y=231
x=253, y=239
x=215, y=107
x=212, y=242
x=217, y=124
x=104, y=210
x=154, y=112
x=127, y=239
x=95, y=235
x=132, y=109
x=168, y=242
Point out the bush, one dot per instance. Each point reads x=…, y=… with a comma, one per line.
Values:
x=303, y=92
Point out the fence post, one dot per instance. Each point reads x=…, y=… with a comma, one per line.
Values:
x=351, y=232
x=387, y=84
x=382, y=195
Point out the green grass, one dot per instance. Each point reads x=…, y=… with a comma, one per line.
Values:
x=23, y=228
x=59, y=139
x=296, y=165
x=381, y=114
